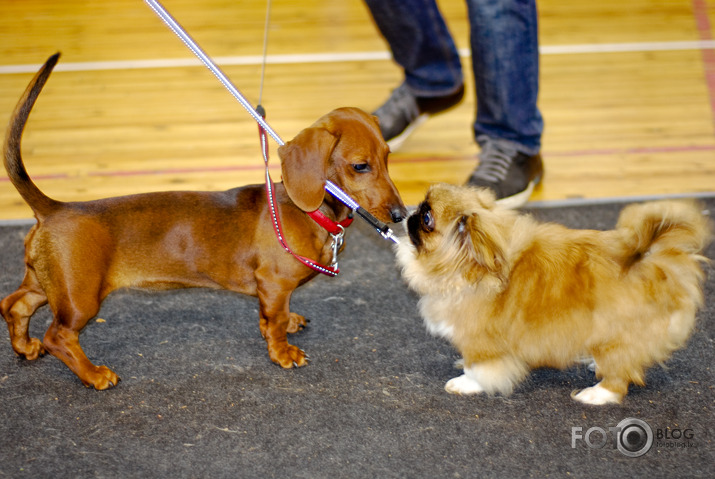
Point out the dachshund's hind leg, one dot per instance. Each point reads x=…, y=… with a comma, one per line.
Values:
x=17, y=309
x=63, y=343
x=73, y=309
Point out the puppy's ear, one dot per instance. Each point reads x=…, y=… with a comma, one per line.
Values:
x=304, y=165
x=487, y=247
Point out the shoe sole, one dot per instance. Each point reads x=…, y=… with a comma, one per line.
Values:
x=396, y=142
x=518, y=200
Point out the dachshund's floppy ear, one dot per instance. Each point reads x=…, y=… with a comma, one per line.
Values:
x=304, y=164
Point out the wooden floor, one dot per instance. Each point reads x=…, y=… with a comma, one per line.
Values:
x=627, y=92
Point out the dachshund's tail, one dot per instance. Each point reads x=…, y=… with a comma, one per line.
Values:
x=41, y=204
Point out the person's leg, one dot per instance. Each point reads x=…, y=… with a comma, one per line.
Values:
x=505, y=61
x=508, y=124
x=422, y=45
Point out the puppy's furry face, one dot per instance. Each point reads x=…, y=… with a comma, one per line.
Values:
x=456, y=239
x=514, y=294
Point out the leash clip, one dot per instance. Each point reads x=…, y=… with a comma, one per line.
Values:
x=336, y=245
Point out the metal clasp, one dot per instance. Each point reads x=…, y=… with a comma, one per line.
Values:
x=337, y=244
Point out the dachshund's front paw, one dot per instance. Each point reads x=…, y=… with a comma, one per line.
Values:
x=100, y=378
x=288, y=357
x=296, y=322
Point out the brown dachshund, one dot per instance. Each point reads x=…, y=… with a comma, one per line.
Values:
x=78, y=253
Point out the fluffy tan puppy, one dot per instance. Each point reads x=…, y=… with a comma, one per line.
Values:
x=513, y=294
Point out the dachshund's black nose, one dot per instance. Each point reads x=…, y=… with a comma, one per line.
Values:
x=398, y=213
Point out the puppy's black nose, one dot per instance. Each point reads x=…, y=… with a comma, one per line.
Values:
x=398, y=213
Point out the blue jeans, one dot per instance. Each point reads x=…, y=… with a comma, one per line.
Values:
x=505, y=61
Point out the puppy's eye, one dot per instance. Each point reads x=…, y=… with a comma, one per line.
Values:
x=428, y=221
x=361, y=167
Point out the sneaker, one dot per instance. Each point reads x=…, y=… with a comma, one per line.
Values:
x=403, y=112
x=510, y=174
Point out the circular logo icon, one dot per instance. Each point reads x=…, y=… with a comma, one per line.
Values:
x=635, y=437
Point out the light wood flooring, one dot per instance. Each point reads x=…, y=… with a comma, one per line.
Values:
x=627, y=93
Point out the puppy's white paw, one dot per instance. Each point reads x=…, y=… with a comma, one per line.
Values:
x=596, y=395
x=463, y=385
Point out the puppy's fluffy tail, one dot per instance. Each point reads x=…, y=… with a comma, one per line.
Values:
x=663, y=228
x=40, y=203
x=662, y=245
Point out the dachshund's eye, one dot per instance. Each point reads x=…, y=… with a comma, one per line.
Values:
x=361, y=167
x=428, y=221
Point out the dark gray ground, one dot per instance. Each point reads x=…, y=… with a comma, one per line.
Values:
x=200, y=398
